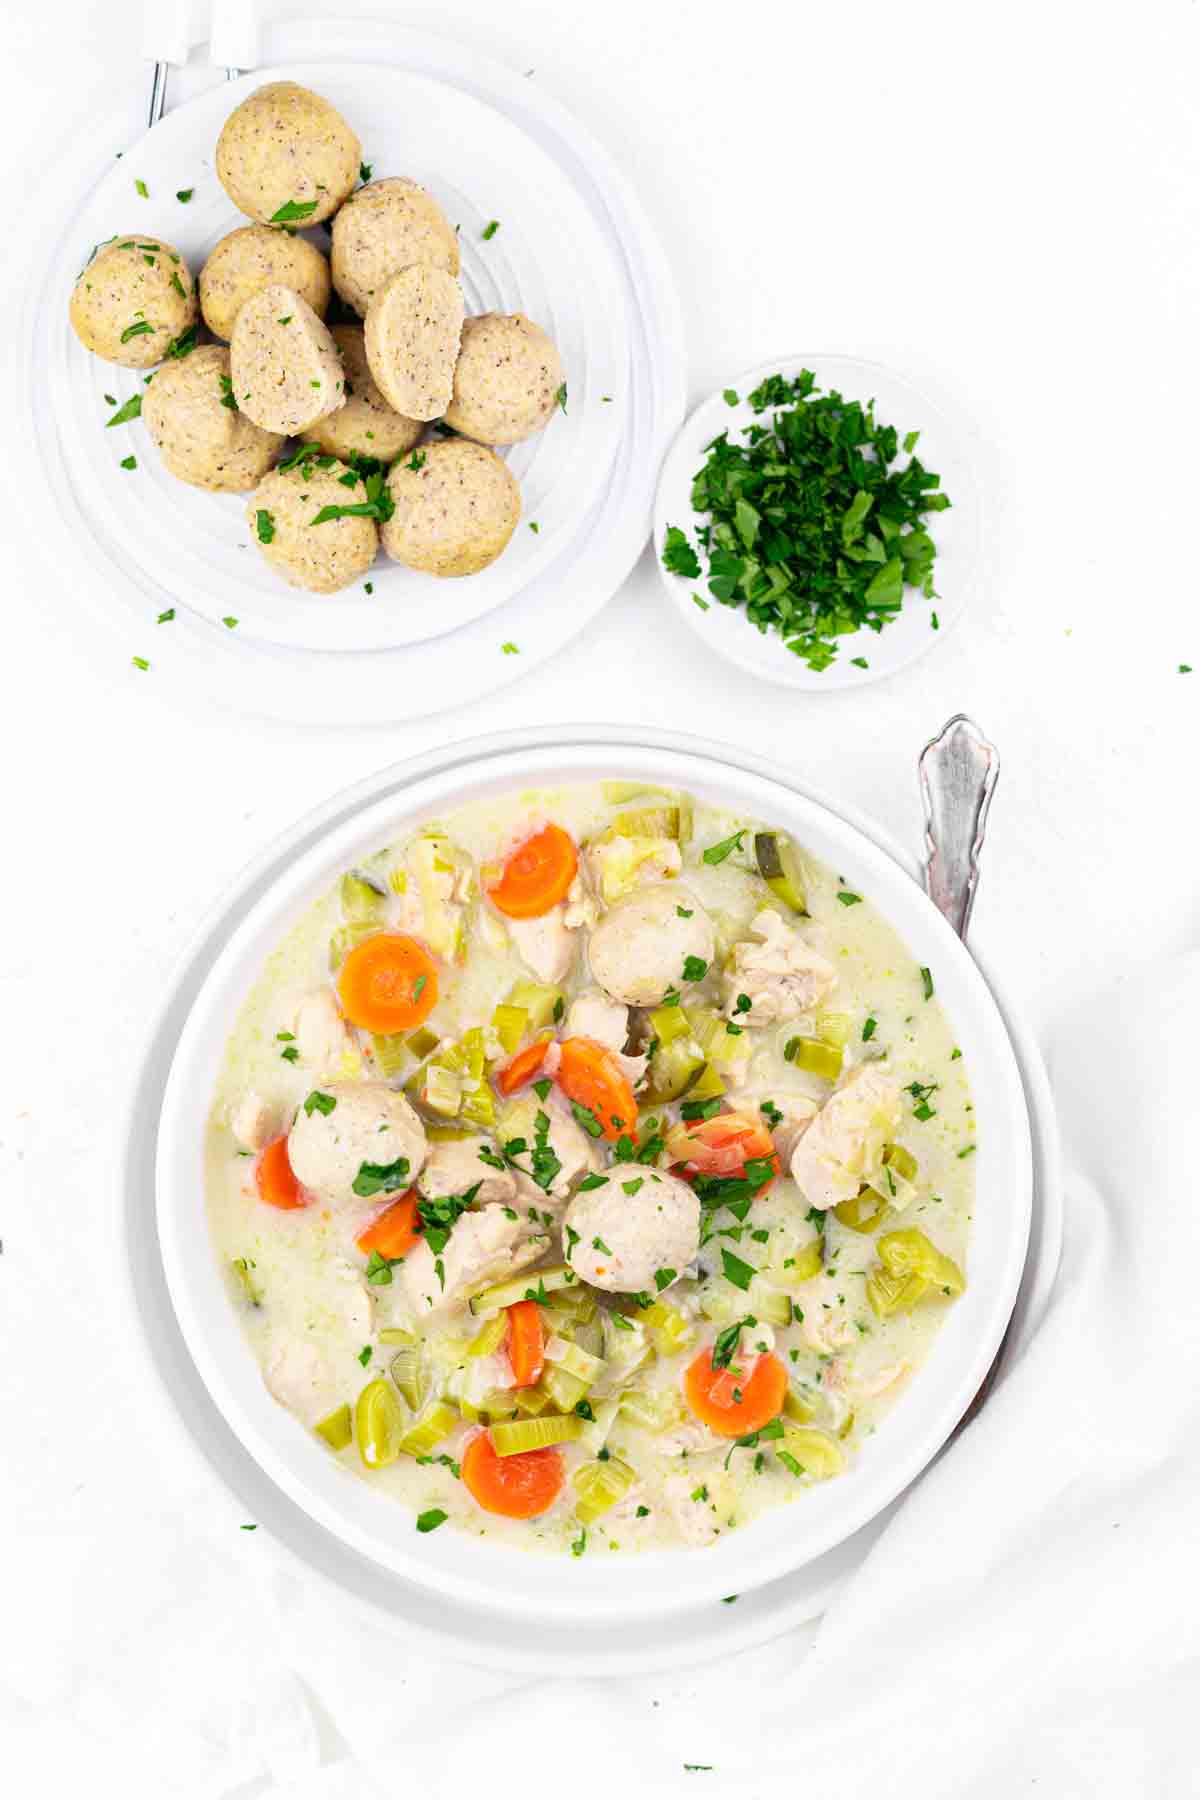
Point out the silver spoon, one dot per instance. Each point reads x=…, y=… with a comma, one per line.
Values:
x=958, y=771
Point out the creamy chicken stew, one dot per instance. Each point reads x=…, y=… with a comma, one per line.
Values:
x=591, y=1170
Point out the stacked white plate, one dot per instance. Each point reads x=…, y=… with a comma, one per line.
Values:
x=457, y=1627
x=572, y=250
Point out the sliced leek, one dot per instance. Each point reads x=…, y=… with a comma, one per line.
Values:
x=345, y=939
x=595, y=1431
x=542, y=1003
x=510, y=1023
x=361, y=900
x=564, y=1354
x=600, y=1485
x=781, y=869
x=769, y=1303
x=816, y=1056
x=489, y=1337
x=654, y=1409
x=380, y=1422
x=815, y=1454
x=529, y=1400
x=410, y=1372
x=564, y=1389
x=392, y=1054
x=668, y=1329
x=511, y=1437
x=863, y=1212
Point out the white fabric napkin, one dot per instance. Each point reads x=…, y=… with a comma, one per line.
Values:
x=1027, y=1622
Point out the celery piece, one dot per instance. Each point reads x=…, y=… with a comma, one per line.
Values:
x=710, y=1029
x=511, y=1437
x=346, y=939
x=392, y=1054
x=903, y=1161
x=863, y=1212
x=441, y=1090
x=600, y=1485
x=674, y=1070
x=626, y=1347
x=817, y=1057
x=510, y=1023
x=708, y=1085
x=564, y=1389
x=834, y=1028
x=642, y=822
x=566, y=1355
x=478, y=1101
x=805, y=1262
x=817, y=1454
x=422, y=1041
x=530, y=1400
x=335, y=1428
x=769, y=1302
x=489, y=1337
x=410, y=1372
x=655, y=1409
x=542, y=1003
x=449, y=1134
x=780, y=867
x=424, y=1433
x=587, y=1333
x=398, y=879
x=396, y=1334
x=669, y=1024
x=668, y=1329
x=361, y=900
x=437, y=865
x=519, y=1287
x=380, y=1422
x=575, y=1306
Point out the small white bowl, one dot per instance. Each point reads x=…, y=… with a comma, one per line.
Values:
x=912, y=633
x=609, y=1588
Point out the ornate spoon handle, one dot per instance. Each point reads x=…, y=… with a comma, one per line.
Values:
x=958, y=770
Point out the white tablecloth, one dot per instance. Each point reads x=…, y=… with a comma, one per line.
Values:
x=999, y=202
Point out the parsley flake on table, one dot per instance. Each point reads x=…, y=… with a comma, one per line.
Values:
x=142, y=189
x=510, y=650
x=364, y=172
x=813, y=526
x=490, y=229
x=132, y=409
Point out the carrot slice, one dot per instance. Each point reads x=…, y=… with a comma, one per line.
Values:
x=526, y=1343
x=723, y=1145
x=537, y=875
x=277, y=1185
x=733, y=1406
x=590, y=1074
x=395, y=1230
x=388, y=983
x=522, y=1067
x=517, y=1487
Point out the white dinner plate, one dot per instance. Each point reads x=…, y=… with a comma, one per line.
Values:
x=473, y=1631
x=922, y=623
x=572, y=249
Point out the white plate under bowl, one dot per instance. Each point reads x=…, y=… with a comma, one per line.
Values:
x=547, y=259
x=573, y=243
x=726, y=630
x=517, y=1583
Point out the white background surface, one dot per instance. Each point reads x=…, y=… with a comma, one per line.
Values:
x=998, y=201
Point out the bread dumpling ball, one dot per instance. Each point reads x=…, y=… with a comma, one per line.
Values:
x=366, y=425
x=385, y=226
x=135, y=297
x=507, y=379
x=412, y=336
x=321, y=558
x=285, y=156
x=201, y=435
x=286, y=369
x=455, y=513
x=255, y=257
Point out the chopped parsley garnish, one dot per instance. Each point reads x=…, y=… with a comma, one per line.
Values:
x=229, y=622
x=140, y=328
x=139, y=662
x=599, y=1244
x=291, y=210
x=683, y=912
x=419, y=986
x=364, y=172
x=129, y=462
x=542, y=1088
x=700, y=1109
x=869, y=1028
x=678, y=556
x=439, y=1217
x=664, y=1277
x=164, y=618
x=731, y=397
x=510, y=650
x=849, y=899
x=585, y=1117
x=430, y=1520
x=585, y=1187
x=561, y=397
x=380, y=1178
x=694, y=968
x=319, y=1102
x=291, y=1054
x=365, y=1354
x=379, y=1269
x=633, y=1187
x=812, y=525
x=228, y=398
x=734, y=1269
x=579, y=1544
x=927, y=984
x=264, y=524
x=184, y=195
x=490, y=229
x=183, y=345
x=716, y=853
x=771, y=1113
x=132, y=409
x=921, y=1094
x=142, y=189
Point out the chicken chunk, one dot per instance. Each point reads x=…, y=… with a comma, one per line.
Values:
x=323, y=1038
x=457, y=1165
x=645, y=945
x=693, y=1505
x=828, y=1325
x=559, y=1141
x=629, y=1242
x=483, y=1247
x=546, y=945
x=369, y=1123
x=844, y=1145
x=593, y=1015
x=779, y=974
x=298, y=1375
x=253, y=1122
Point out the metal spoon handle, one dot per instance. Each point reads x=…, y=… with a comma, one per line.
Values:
x=958, y=769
